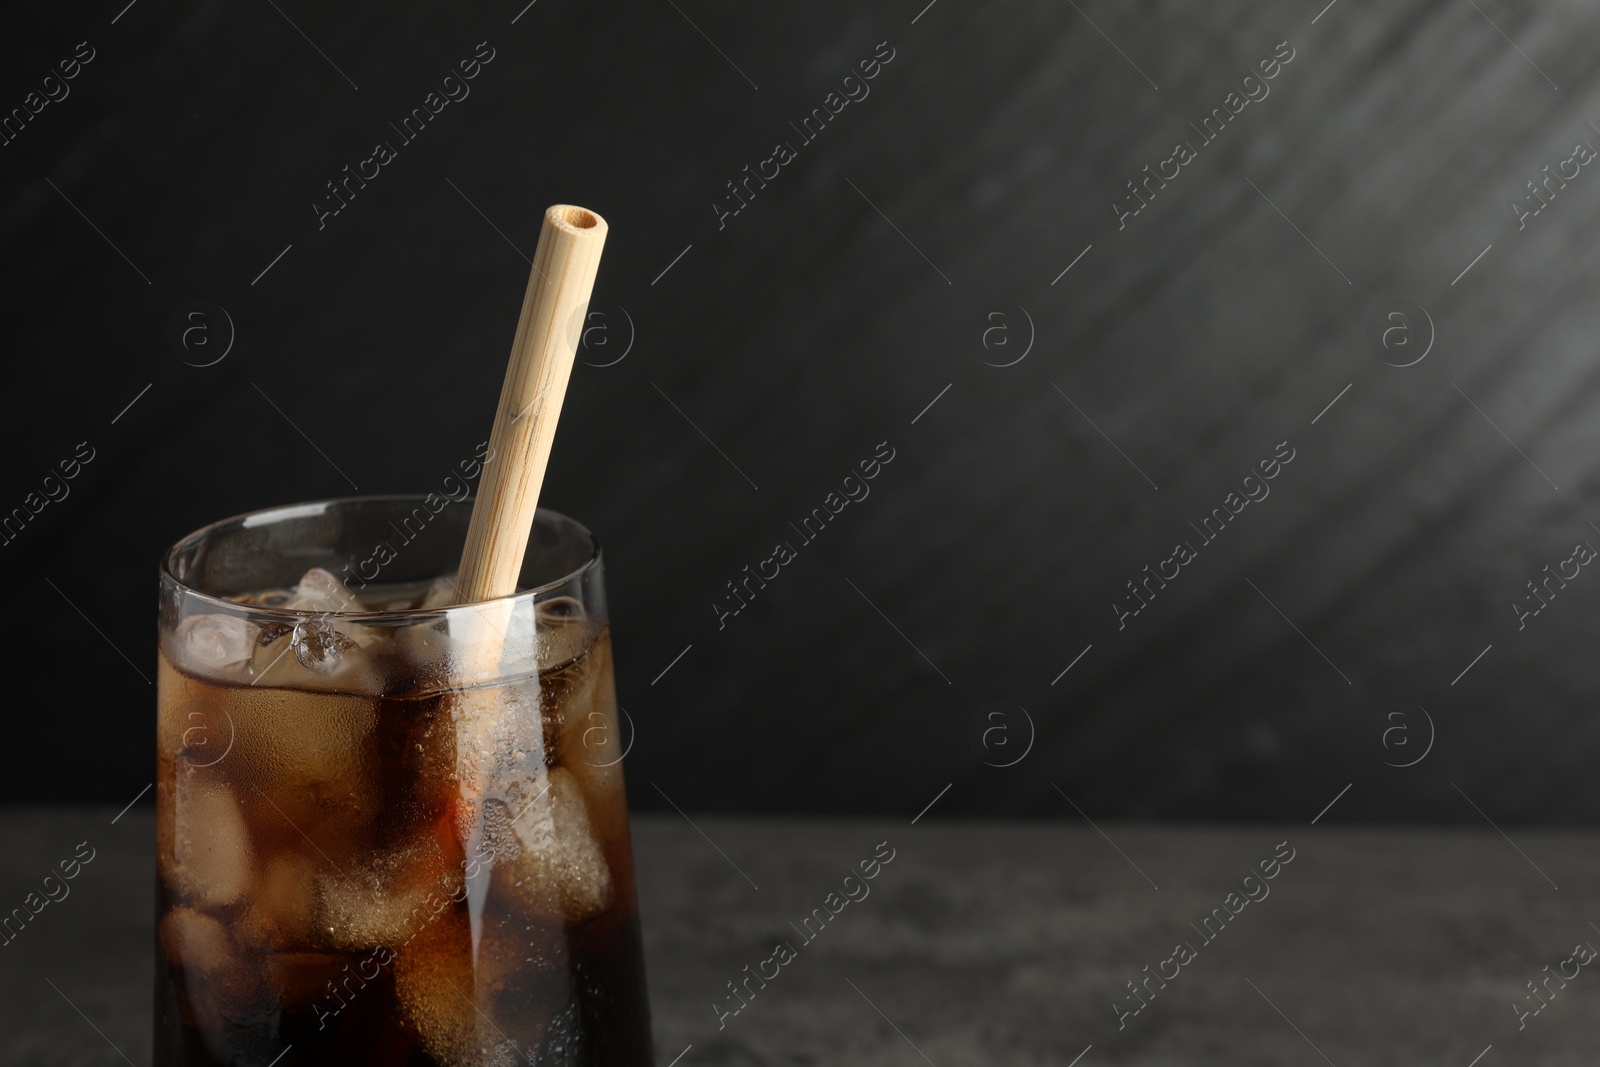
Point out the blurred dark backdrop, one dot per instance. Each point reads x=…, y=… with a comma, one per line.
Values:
x=911, y=253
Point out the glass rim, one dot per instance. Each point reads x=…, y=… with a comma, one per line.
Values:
x=265, y=516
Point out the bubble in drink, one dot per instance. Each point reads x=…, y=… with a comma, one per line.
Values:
x=472, y=1008
x=554, y=870
x=388, y=895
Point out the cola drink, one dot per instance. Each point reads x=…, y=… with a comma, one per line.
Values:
x=378, y=843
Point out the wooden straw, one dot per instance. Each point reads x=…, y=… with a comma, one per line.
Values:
x=553, y=311
x=542, y=353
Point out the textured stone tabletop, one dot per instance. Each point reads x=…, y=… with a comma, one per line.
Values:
x=977, y=943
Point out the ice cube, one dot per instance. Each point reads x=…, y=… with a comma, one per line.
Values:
x=559, y=872
x=489, y=641
x=563, y=630
x=532, y=635
x=274, y=662
x=471, y=1009
x=222, y=989
x=577, y=684
x=502, y=727
x=282, y=904
x=390, y=896
x=314, y=651
x=519, y=639
x=319, y=646
x=497, y=732
x=500, y=638
x=306, y=767
x=442, y=592
x=206, y=860
x=321, y=591
x=212, y=644
x=196, y=941
x=584, y=699
x=315, y=654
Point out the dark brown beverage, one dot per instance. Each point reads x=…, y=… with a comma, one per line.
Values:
x=365, y=858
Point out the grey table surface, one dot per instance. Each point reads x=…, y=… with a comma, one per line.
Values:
x=979, y=943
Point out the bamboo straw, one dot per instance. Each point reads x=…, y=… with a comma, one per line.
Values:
x=542, y=354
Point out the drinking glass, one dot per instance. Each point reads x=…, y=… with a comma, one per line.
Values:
x=390, y=831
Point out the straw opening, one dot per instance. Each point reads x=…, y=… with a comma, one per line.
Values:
x=576, y=217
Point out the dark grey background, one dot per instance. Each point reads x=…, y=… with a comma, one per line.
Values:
x=811, y=329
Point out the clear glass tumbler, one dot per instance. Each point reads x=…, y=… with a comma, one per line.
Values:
x=389, y=832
